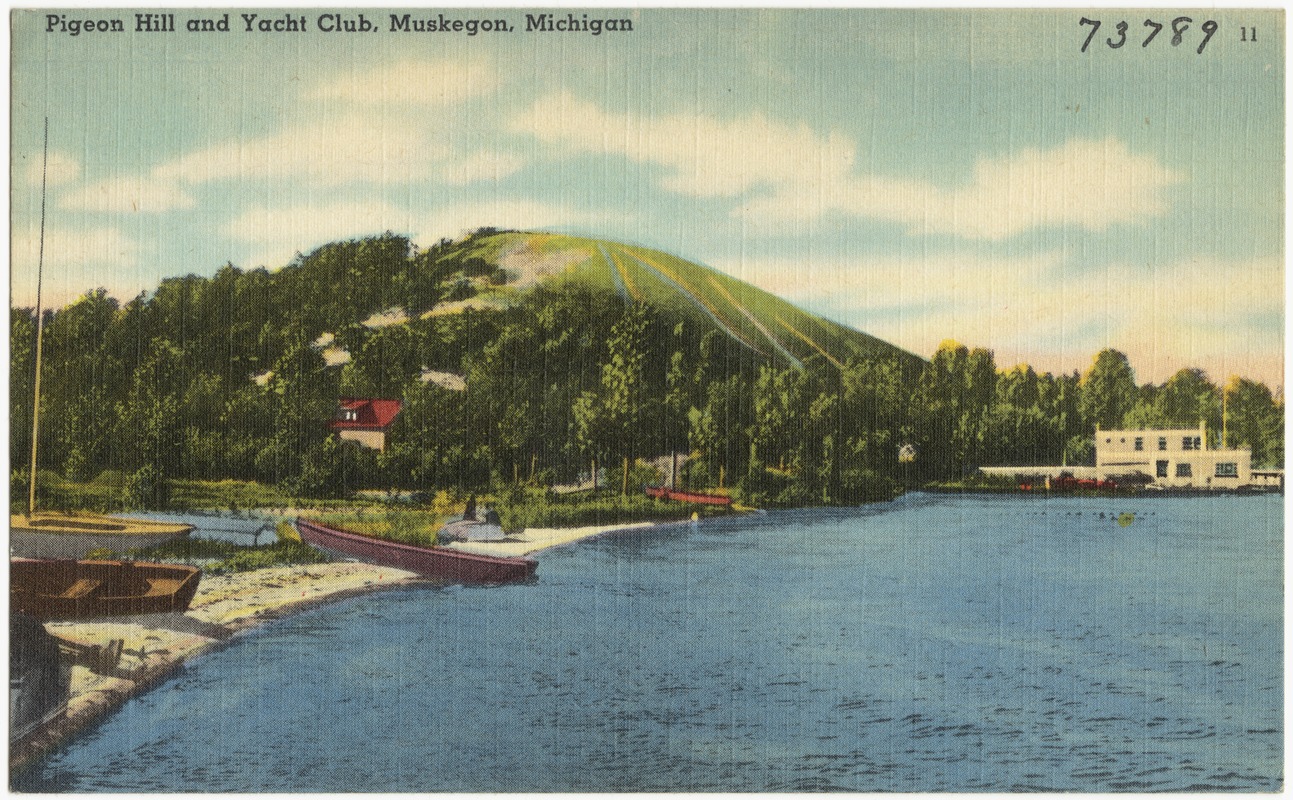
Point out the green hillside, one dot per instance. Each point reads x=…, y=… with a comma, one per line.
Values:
x=769, y=327
x=538, y=359
x=516, y=357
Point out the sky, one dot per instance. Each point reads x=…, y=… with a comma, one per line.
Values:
x=920, y=175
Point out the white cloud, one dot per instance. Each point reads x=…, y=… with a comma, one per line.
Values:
x=371, y=138
x=410, y=83
x=482, y=166
x=1083, y=183
x=61, y=169
x=75, y=261
x=128, y=195
x=275, y=235
x=708, y=157
x=1041, y=311
x=359, y=148
x=376, y=135
x=788, y=175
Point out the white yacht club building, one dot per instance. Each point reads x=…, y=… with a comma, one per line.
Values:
x=1171, y=457
x=1176, y=458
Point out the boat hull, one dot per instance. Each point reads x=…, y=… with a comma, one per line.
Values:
x=50, y=589
x=436, y=562
x=72, y=536
x=665, y=493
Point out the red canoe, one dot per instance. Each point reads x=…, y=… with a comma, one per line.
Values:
x=68, y=589
x=665, y=493
x=435, y=562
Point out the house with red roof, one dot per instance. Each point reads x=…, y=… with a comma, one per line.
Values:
x=365, y=420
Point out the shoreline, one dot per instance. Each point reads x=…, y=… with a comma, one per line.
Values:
x=156, y=646
x=534, y=540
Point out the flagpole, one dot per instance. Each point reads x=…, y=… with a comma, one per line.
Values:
x=40, y=326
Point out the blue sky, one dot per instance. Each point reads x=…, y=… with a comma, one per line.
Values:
x=919, y=175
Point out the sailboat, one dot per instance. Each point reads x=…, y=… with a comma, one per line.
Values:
x=46, y=534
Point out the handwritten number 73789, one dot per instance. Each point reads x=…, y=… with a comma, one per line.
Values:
x=1179, y=26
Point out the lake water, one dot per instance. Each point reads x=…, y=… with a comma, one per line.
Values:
x=936, y=643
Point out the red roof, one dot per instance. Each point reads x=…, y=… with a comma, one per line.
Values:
x=362, y=414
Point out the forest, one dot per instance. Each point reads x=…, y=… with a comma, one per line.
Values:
x=229, y=377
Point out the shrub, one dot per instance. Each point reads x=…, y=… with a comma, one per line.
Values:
x=221, y=557
x=145, y=489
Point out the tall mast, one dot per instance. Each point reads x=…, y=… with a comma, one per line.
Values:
x=40, y=325
x=1223, y=418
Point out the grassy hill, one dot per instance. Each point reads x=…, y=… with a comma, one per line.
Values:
x=576, y=352
x=769, y=327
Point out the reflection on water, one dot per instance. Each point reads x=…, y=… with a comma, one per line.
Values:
x=938, y=643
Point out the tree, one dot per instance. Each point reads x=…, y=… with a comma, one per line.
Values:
x=1255, y=419
x=302, y=396
x=148, y=429
x=80, y=382
x=1189, y=398
x=22, y=366
x=874, y=415
x=949, y=409
x=382, y=360
x=778, y=424
x=609, y=420
x=1018, y=431
x=1108, y=390
x=1071, y=441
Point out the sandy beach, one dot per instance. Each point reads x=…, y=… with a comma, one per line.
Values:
x=532, y=540
x=156, y=645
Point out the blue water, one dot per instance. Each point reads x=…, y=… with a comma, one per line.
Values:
x=937, y=643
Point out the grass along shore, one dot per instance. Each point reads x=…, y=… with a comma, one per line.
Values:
x=411, y=518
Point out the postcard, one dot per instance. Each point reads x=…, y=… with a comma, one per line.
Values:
x=646, y=400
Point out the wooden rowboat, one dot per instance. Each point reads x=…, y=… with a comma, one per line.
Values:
x=66, y=589
x=699, y=498
x=436, y=562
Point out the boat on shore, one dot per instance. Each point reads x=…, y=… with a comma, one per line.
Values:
x=435, y=562
x=699, y=498
x=46, y=534
x=49, y=589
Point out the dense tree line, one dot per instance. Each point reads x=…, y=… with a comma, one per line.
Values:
x=228, y=377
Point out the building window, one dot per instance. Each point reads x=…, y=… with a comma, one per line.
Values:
x=1183, y=471
x=1187, y=443
x=1140, y=442
x=1162, y=443
x=1227, y=469
x=1198, y=442
x=1162, y=469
